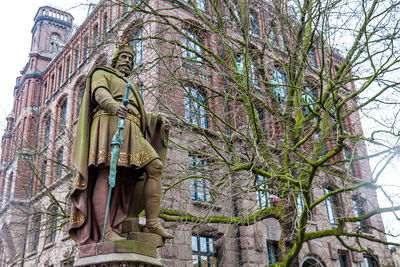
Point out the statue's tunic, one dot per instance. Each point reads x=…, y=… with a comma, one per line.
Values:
x=145, y=138
x=108, y=90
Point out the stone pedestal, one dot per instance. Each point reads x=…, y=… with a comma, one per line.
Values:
x=119, y=260
x=139, y=250
x=132, y=253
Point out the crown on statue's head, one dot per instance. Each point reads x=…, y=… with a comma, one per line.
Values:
x=122, y=48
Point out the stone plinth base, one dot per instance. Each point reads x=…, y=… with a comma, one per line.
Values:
x=120, y=253
x=119, y=259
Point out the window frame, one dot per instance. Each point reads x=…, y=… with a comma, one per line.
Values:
x=199, y=187
x=332, y=205
x=47, y=130
x=137, y=45
x=35, y=233
x=254, y=28
x=343, y=258
x=43, y=175
x=272, y=252
x=190, y=48
x=313, y=58
x=309, y=99
x=52, y=222
x=359, y=204
x=279, y=85
x=199, y=254
x=105, y=23
x=263, y=195
x=68, y=67
x=195, y=103
x=63, y=110
x=60, y=160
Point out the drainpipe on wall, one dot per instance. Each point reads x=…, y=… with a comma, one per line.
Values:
x=32, y=175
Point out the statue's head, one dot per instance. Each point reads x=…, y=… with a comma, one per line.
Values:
x=123, y=59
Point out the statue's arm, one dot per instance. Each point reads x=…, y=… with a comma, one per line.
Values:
x=105, y=100
x=101, y=94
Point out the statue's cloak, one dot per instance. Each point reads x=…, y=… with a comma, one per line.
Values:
x=154, y=131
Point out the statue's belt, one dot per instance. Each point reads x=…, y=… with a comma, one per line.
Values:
x=129, y=117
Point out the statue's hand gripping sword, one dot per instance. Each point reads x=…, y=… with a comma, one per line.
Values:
x=116, y=144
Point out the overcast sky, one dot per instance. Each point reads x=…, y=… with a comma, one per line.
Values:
x=16, y=21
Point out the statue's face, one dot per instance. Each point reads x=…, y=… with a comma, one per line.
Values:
x=124, y=63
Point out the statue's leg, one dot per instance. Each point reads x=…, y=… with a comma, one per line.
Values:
x=137, y=202
x=134, y=194
x=152, y=198
x=99, y=204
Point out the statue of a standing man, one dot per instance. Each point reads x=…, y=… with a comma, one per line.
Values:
x=143, y=150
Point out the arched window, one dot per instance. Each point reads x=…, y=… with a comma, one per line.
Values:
x=63, y=116
x=272, y=252
x=279, y=84
x=199, y=188
x=8, y=188
x=138, y=46
x=86, y=48
x=195, y=106
x=68, y=67
x=263, y=192
x=35, y=233
x=273, y=35
x=45, y=92
x=43, y=175
x=313, y=58
x=191, y=46
x=105, y=23
x=60, y=159
x=359, y=205
x=52, y=223
x=55, y=42
x=60, y=76
x=254, y=28
x=47, y=124
x=312, y=262
x=332, y=206
x=52, y=82
x=309, y=99
x=347, y=155
x=76, y=57
x=80, y=88
x=95, y=34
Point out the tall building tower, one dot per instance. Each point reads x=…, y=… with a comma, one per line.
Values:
x=51, y=30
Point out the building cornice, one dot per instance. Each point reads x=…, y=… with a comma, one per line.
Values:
x=52, y=19
x=36, y=75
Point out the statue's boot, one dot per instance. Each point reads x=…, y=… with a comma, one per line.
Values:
x=152, y=198
x=156, y=228
x=112, y=236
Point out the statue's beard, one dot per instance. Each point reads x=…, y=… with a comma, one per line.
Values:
x=125, y=69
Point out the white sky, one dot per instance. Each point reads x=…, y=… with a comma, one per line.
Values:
x=16, y=21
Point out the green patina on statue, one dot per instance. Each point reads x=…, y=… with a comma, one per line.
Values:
x=141, y=156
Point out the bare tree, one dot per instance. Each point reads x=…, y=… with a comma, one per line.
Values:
x=266, y=99
x=273, y=95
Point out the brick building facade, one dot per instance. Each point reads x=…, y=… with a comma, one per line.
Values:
x=40, y=130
